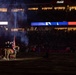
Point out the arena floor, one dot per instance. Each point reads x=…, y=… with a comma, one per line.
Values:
x=55, y=64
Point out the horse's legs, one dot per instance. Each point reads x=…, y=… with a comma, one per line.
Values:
x=5, y=53
x=15, y=54
x=8, y=53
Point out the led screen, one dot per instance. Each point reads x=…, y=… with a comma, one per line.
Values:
x=38, y=23
x=49, y=23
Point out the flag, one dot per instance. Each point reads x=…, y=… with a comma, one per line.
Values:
x=14, y=43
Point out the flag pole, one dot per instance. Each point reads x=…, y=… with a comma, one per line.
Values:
x=15, y=25
x=14, y=38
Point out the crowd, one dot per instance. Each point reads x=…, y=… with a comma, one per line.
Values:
x=53, y=40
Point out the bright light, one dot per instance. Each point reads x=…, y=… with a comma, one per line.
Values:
x=59, y=8
x=47, y=8
x=15, y=29
x=3, y=23
x=71, y=23
x=6, y=29
x=48, y=23
x=17, y=10
x=34, y=8
x=3, y=9
x=60, y=1
x=72, y=8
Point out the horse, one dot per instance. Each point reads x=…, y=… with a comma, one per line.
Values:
x=11, y=52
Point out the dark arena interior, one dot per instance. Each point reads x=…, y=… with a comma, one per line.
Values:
x=37, y=37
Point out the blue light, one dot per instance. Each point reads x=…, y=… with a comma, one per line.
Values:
x=63, y=23
x=49, y=23
x=54, y=23
x=38, y=23
x=59, y=23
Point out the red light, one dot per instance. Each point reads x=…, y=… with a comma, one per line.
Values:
x=71, y=23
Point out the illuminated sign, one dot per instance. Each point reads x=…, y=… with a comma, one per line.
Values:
x=49, y=23
x=57, y=23
x=38, y=24
x=64, y=23
x=60, y=1
x=3, y=23
x=71, y=23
